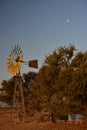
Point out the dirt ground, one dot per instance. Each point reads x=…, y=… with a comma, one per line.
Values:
x=6, y=124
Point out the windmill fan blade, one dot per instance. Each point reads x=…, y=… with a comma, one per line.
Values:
x=33, y=63
x=15, y=50
x=12, y=49
x=19, y=49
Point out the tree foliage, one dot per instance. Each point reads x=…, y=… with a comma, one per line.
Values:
x=6, y=93
x=62, y=81
x=7, y=90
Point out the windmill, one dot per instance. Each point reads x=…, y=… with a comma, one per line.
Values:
x=14, y=64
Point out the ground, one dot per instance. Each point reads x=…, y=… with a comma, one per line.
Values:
x=6, y=124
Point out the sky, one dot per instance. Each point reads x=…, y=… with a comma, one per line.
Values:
x=38, y=27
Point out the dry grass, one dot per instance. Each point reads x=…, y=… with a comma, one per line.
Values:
x=5, y=124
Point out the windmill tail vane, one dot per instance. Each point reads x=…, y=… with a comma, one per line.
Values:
x=31, y=63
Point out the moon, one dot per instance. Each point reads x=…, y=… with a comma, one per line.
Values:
x=67, y=20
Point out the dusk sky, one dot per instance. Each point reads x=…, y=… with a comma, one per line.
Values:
x=40, y=26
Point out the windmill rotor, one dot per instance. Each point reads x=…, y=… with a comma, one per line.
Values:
x=13, y=64
x=15, y=61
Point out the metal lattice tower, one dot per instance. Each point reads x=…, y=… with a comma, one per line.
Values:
x=18, y=99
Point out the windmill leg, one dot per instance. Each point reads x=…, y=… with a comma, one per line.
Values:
x=13, y=106
x=22, y=112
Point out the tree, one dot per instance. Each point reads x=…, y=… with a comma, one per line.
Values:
x=50, y=78
x=62, y=81
x=7, y=90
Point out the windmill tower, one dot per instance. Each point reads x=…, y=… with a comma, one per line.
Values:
x=14, y=64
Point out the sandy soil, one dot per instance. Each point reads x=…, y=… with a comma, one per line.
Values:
x=6, y=124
